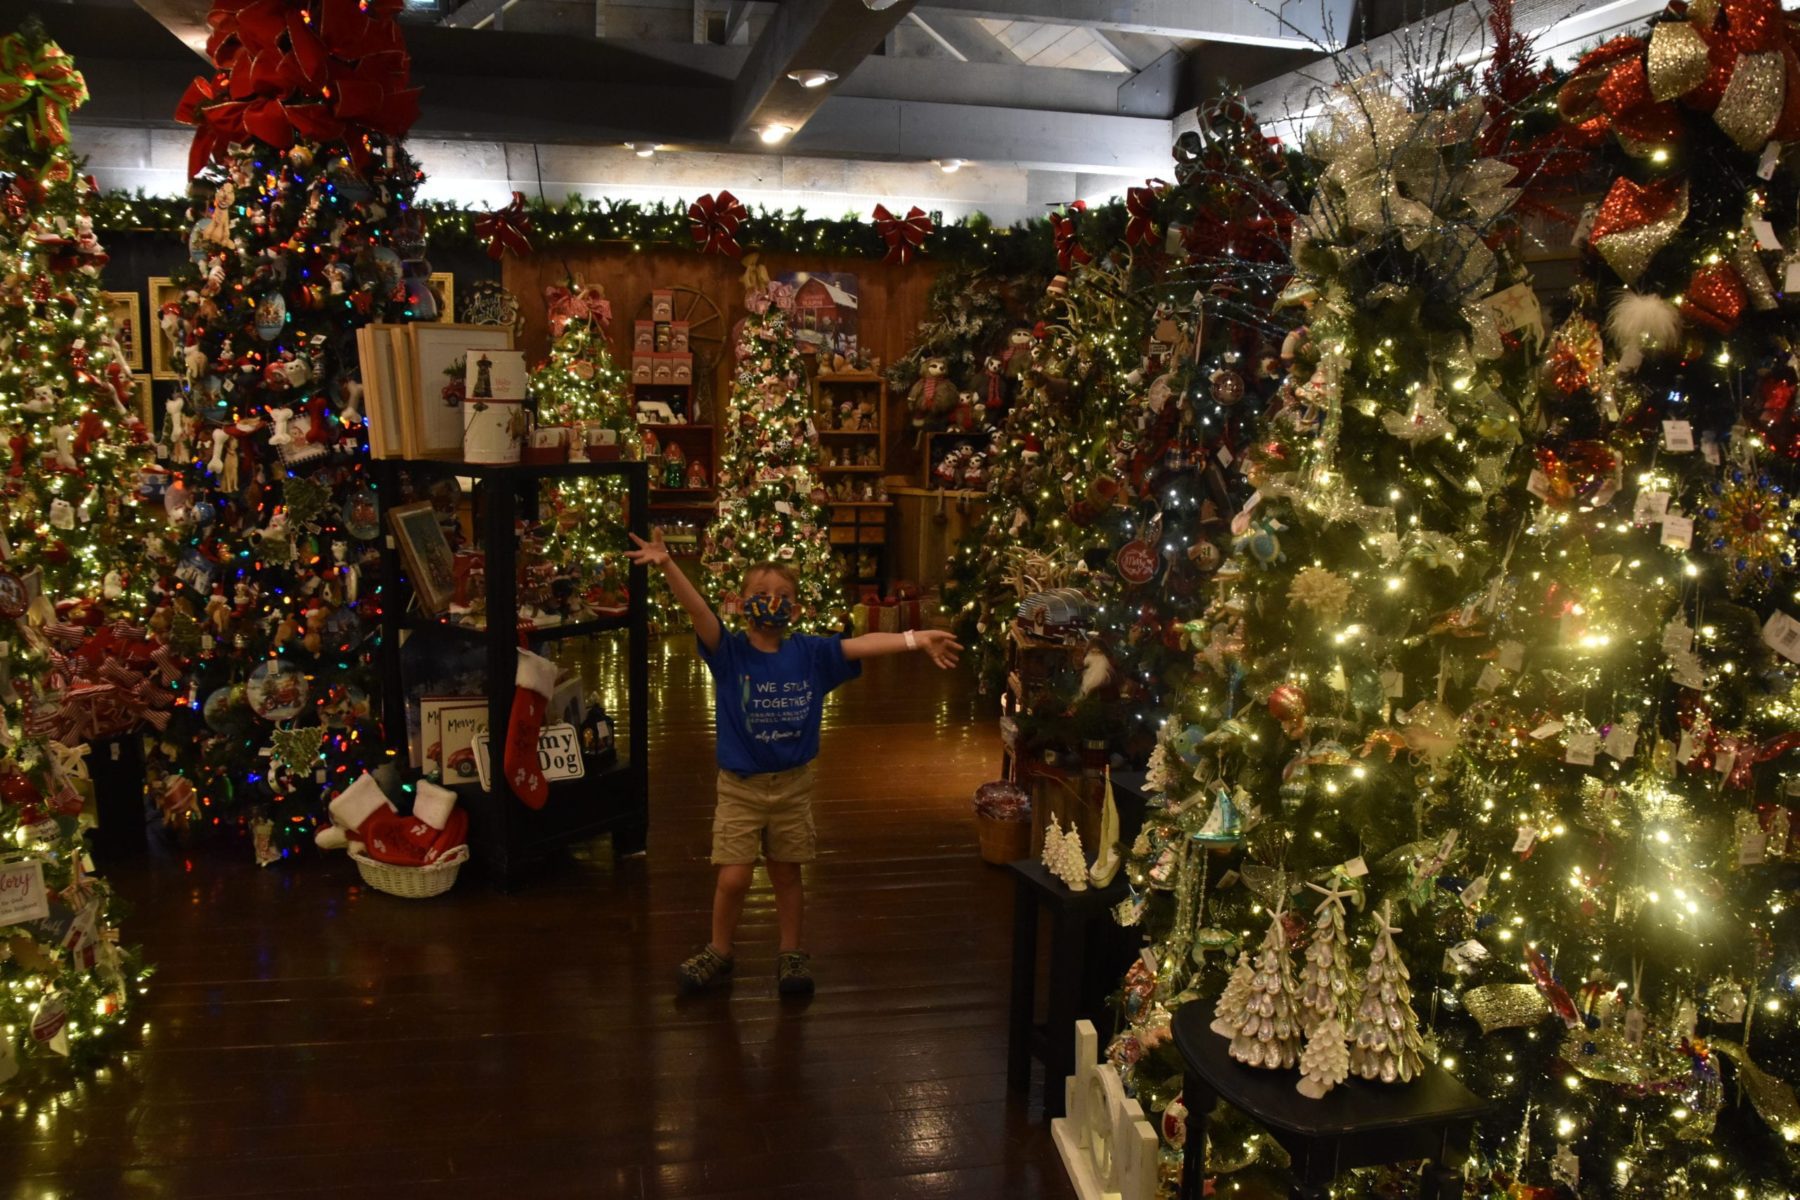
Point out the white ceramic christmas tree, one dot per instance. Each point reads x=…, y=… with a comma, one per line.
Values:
x=1073, y=870
x=1268, y=1027
x=1384, y=1034
x=1325, y=978
x=1230, y=1005
x=1326, y=1060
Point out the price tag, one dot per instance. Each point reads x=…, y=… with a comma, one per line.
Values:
x=1649, y=507
x=1621, y=741
x=1771, y=158
x=1548, y=729
x=1790, y=276
x=1225, y=456
x=22, y=895
x=1476, y=889
x=1583, y=748
x=1709, y=449
x=1753, y=843
x=1526, y=840
x=1255, y=499
x=1491, y=679
x=1393, y=684
x=1678, y=437
x=1677, y=532
x=1607, y=491
x=1724, y=760
x=1685, y=749
x=1538, y=485
x=1781, y=633
x=1764, y=234
x=1685, y=669
x=1356, y=868
x=1512, y=656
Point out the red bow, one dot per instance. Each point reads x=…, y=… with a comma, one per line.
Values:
x=904, y=238
x=1069, y=249
x=318, y=69
x=1140, y=205
x=579, y=303
x=714, y=223
x=506, y=229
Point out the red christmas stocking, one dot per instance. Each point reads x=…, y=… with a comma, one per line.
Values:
x=536, y=678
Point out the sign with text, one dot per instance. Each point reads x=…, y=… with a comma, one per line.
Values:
x=22, y=896
x=559, y=754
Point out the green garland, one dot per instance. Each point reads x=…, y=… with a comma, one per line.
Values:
x=1026, y=247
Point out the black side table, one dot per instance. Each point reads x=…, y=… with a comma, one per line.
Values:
x=1357, y=1124
x=1088, y=956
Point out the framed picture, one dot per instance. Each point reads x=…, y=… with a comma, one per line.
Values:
x=826, y=312
x=162, y=347
x=429, y=563
x=443, y=286
x=381, y=391
x=146, y=402
x=431, y=708
x=122, y=315
x=439, y=354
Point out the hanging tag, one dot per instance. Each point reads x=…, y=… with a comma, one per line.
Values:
x=1724, y=760
x=1782, y=634
x=1512, y=656
x=1765, y=235
x=1582, y=749
x=1753, y=843
x=1677, y=638
x=1709, y=449
x=1771, y=158
x=1685, y=669
x=1393, y=684
x=1649, y=507
x=1538, y=485
x=1548, y=729
x=1356, y=868
x=1678, y=437
x=1677, y=532
x=1476, y=889
x=1149, y=958
x=1491, y=679
x=1224, y=456
x=1255, y=499
x=1621, y=741
x=1526, y=839
x=1684, y=750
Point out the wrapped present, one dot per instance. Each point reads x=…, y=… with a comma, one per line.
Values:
x=859, y=621
x=868, y=611
x=907, y=597
x=890, y=618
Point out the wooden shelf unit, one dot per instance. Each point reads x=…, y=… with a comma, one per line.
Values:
x=850, y=413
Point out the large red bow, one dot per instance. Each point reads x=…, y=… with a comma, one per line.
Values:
x=46, y=77
x=1140, y=206
x=506, y=229
x=579, y=303
x=1069, y=249
x=904, y=237
x=714, y=221
x=322, y=70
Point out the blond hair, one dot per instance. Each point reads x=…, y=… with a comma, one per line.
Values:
x=771, y=567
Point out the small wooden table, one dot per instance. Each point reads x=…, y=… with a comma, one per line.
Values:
x=1084, y=970
x=1357, y=1124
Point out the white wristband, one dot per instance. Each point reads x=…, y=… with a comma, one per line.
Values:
x=912, y=643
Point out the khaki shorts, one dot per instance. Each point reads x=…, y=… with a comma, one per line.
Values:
x=764, y=815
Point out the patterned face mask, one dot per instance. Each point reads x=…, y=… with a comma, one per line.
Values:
x=768, y=612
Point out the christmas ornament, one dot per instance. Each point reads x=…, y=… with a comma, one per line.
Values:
x=277, y=690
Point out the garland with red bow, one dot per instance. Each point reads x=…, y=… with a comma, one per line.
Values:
x=714, y=221
x=580, y=302
x=905, y=236
x=44, y=79
x=1069, y=250
x=506, y=229
x=323, y=70
x=1140, y=209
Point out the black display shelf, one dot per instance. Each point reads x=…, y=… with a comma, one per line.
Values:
x=505, y=836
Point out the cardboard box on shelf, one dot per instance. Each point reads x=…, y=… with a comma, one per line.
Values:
x=643, y=368
x=643, y=338
x=683, y=367
x=678, y=337
x=663, y=368
x=662, y=304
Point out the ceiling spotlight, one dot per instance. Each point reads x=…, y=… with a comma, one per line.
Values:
x=771, y=134
x=878, y=5
x=951, y=166
x=643, y=149
x=813, y=78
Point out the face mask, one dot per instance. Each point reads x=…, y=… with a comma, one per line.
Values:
x=768, y=612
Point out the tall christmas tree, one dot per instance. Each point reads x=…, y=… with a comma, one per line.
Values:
x=771, y=506
x=302, y=231
x=579, y=386
x=73, y=665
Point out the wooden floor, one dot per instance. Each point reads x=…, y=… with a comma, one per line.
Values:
x=304, y=1036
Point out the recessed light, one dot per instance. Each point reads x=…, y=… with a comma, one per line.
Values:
x=951, y=166
x=771, y=134
x=643, y=149
x=878, y=5
x=813, y=78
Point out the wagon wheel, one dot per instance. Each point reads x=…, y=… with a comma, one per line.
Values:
x=706, y=324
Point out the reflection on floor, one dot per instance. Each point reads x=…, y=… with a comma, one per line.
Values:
x=304, y=1036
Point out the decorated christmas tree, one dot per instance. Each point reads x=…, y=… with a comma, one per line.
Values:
x=772, y=506
x=302, y=231
x=74, y=664
x=579, y=386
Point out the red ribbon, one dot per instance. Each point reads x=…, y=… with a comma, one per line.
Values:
x=1716, y=297
x=1069, y=249
x=906, y=236
x=714, y=221
x=580, y=303
x=325, y=70
x=1140, y=206
x=506, y=229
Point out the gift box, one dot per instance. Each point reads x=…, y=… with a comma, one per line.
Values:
x=909, y=600
x=662, y=304
x=643, y=339
x=678, y=337
x=643, y=368
x=549, y=444
x=890, y=618
x=662, y=369
x=683, y=367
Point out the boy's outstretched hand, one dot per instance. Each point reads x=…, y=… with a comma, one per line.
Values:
x=940, y=645
x=652, y=553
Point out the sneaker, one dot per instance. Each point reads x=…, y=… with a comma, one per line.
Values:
x=707, y=969
x=793, y=973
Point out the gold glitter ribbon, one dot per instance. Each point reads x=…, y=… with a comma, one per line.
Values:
x=1750, y=270
x=1773, y=1100
x=1636, y=221
x=1677, y=59
x=1752, y=101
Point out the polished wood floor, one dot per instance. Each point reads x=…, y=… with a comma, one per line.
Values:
x=304, y=1036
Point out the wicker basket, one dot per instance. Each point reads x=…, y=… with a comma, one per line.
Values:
x=1003, y=841
x=414, y=883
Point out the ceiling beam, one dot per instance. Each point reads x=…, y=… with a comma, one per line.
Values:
x=1135, y=50
x=964, y=37
x=1292, y=23
x=186, y=19
x=477, y=13
x=737, y=22
x=828, y=35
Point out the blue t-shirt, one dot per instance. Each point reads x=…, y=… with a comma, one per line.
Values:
x=767, y=705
